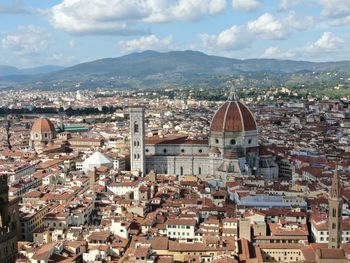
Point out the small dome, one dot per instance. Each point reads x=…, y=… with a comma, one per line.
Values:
x=43, y=125
x=233, y=116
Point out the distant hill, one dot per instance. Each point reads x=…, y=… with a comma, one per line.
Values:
x=8, y=70
x=155, y=69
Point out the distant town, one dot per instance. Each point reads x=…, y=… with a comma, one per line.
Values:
x=167, y=176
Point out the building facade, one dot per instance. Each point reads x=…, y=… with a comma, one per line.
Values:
x=8, y=224
x=231, y=149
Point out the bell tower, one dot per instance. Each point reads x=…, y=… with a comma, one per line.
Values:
x=335, y=213
x=4, y=202
x=137, y=139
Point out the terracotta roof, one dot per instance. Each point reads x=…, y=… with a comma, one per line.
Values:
x=233, y=116
x=174, y=140
x=43, y=125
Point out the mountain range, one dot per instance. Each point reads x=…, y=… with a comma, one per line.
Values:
x=156, y=69
x=8, y=70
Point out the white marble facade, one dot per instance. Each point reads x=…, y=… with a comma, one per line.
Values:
x=232, y=150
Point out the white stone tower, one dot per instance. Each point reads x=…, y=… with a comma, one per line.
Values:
x=137, y=139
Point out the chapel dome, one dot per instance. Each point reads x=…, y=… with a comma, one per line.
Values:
x=43, y=125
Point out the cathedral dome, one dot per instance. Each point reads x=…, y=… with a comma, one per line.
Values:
x=233, y=116
x=43, y=125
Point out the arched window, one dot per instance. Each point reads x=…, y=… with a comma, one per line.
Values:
x=138, y=156
x=181, y=170
x=199, y=170
x=134, y=143
x=136, y=127
x=334, y=212
x=138, y=143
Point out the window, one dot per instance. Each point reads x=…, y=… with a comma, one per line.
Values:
x=147, y=150
x=249, y=141
x=333, y=225
x=181, y=170
x=199, y=170
x=216, y=140
x=136, y=127
x=334, y=212
x=182, y=150
x=233, y=141
x=200, y=150
x=164, y=151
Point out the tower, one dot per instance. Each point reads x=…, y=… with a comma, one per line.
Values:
x=4, y=201
x=137, y=139
x=335, y=213
x=8, y=223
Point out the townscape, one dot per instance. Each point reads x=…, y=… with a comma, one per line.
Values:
x=173, y=179
x=175, y=131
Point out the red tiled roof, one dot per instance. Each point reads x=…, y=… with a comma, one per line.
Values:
x=233, y=116
x=43, y=125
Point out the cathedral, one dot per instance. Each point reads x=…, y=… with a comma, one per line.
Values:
x=232, y=147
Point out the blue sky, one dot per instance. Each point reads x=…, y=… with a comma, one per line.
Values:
x=66, y=32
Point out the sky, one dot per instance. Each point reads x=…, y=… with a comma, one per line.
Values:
x=67, y=32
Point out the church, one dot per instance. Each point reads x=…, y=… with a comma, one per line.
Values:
x=232, y=148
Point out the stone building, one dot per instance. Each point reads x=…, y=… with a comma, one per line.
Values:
x=42, y=134
x=8, y=224
x=335, y=213
x=231, y=149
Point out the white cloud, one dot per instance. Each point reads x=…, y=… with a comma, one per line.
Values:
x=272, y=52
x=151, y=42
x=265, y=27
x=336, y=11
x=335, y=8
x=233, y=38
x=286, y=4
x=27, y=40
x=298, y=22
x=275, y=52
x=268, y=27
x=326, y=44
x=121, y=17
x=71, y=43
x=16, y=7
x=246, y=5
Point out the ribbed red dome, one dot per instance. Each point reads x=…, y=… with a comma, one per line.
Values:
x=233, y=116
x=43, y=125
